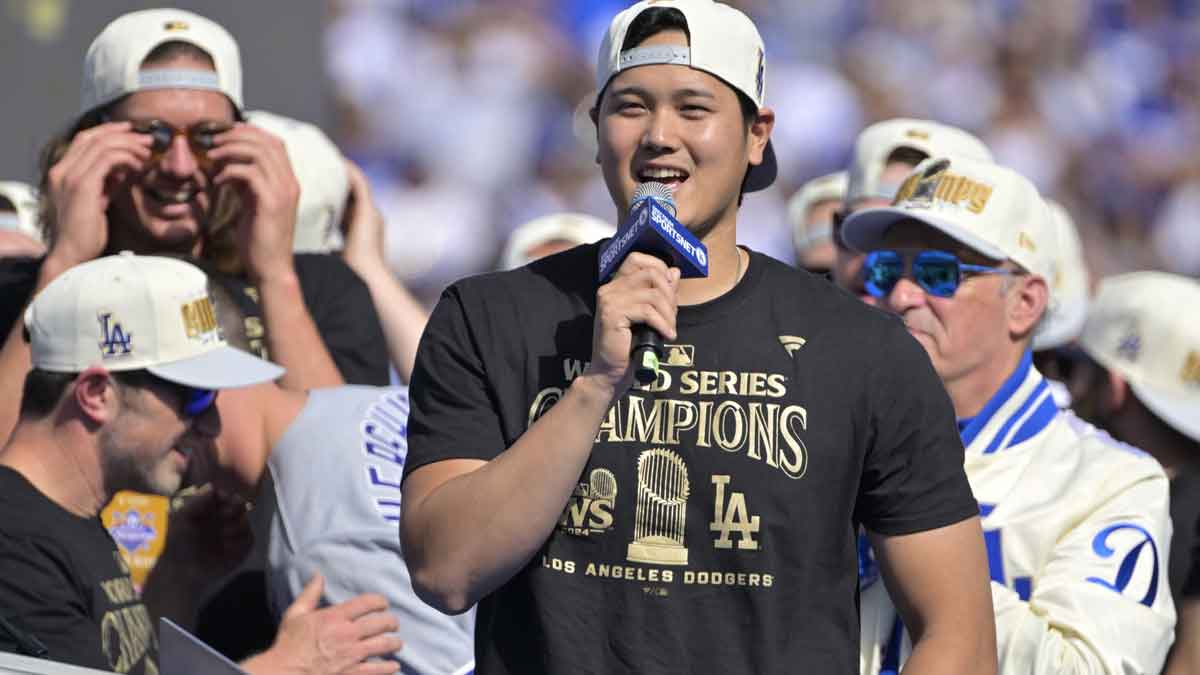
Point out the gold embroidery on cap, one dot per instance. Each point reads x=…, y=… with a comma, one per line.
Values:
x=917, y=133
x=936, y=183
x=1191, y=369
x=172, y=26
x=199, y=317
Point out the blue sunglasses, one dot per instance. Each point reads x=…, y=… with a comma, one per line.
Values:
x=195, y=401
x=937, y=272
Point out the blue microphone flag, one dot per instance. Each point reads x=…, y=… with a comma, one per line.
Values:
x=651, y=228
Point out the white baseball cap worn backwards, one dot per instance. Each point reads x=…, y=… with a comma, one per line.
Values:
x=112, y=66
x=1143, y=326
x=129, y=312
x=723, y=42
x=830, y=187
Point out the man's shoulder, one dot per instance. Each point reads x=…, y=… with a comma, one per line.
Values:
x=805, y=293
x=1098, y=457
x=547, y=285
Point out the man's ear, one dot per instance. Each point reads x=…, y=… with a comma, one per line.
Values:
x=95, y=394
x=1027, y=304
x=760, y=133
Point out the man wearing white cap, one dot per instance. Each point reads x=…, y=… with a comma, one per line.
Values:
x=884, y=154
x=159, y=161
x=1076, y=524
x=127, y=362
x=811, y=212
x=1143, y=387
x=704, y=522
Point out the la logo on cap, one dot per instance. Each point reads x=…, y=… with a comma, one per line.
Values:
x=116, y=341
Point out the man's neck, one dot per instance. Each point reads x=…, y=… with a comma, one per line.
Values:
x=62, y=462
x=971, y=392
x=725, y=265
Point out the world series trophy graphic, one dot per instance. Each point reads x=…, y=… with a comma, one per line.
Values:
x=603, y=484
x=662, y=493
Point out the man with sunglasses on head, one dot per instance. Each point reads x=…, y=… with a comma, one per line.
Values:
x=127, y=361
x=159, y=160
x=1075, y=523
x=884, y=154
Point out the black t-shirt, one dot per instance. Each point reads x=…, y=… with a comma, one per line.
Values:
x=63, y=581
x=339, y=302
x=1184, y=566
x=713, y=528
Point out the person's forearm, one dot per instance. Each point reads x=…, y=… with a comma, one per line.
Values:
x=950, y=651
x=403, y=318
x=1185, y=656
x=292, y=337
x=474, y=532
x=171, y=592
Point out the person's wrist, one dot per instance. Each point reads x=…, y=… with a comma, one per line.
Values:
x=596, y=389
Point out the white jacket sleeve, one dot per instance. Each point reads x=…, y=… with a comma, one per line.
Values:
x=1101, y=603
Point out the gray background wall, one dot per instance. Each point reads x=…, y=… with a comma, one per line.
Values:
x=42, y=43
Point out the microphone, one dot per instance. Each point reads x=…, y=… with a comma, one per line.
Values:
x=651, y=228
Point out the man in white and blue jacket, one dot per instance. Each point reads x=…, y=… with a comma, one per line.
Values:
x=1076, y=524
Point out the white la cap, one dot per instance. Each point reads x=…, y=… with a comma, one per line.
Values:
x=112, y=67
x=877, y=142
x=324, y=184
x=1143, y=326
x=130, y=312
x=576, y=228
x=830, y=187
x=723, y=42
x=1069, y=285
x=25, y=199
x=990, y=208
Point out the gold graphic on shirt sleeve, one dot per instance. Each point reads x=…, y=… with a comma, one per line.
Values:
x=792, y=343
x=662, y=494
x=732, y=517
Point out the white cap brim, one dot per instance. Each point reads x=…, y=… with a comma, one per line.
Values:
x=222, y=368
x=865, y=230
x=1182, y=412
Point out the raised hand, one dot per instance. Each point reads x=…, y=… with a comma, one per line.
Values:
x=642, y=291
x=256, y=163
x=81, y=184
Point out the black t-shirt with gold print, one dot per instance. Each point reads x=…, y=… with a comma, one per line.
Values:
x=713, y=528
x=63, y=581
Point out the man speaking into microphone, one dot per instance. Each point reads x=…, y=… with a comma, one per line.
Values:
x=704, y=520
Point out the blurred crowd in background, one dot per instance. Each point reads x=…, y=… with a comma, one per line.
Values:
x=470, y=116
